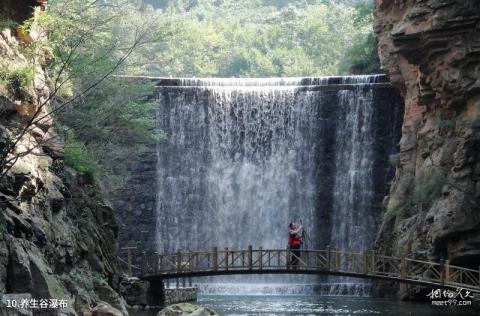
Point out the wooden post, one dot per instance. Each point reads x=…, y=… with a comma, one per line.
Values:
x=447, y=270
x=250, y=258
x=243, y=258
x=179, y=262
x=278, y=258
x=143, y=264
x=289, y=259
x=372, y=265
x=260, y=259
x=442, y=271
x=184, y=282
x=129, y=260
x=190, y=261
x=215, y=258
x=328, y=258
x=337, y=259
x=403, y=268
x=365, y=262
x=168, y=283
x=383, y=262
x=161, y=263
x=156, y=260
x=226, y=259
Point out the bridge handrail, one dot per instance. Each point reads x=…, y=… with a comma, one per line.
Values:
x=363, y=264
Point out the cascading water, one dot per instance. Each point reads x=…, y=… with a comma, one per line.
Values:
x=244, y=157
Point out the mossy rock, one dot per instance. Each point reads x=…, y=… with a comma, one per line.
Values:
x=184, y=309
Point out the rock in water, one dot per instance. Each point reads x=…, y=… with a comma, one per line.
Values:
x=104, y=309
x=184, y=309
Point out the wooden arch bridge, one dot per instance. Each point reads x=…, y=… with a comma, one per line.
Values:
x=154, y=267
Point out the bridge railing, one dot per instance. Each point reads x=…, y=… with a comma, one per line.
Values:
x=362, y=264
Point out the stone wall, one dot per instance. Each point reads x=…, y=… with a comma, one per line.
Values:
x=180, y=295
x=431, y=51
x=136, y=215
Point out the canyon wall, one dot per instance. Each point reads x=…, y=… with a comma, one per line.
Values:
x=431, y=52
x=57, y=232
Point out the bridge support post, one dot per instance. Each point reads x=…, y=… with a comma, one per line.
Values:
x=156, y=293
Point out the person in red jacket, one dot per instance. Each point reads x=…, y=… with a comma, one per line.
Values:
x=294, y=243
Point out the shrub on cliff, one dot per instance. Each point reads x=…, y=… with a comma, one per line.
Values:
x=79, y=157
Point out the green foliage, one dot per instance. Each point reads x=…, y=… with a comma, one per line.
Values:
x=6, y=23
x=17, y=77
x=361, y=56
x=394, y=160
x=79, y=157
x=259, y=39
x=428, y=185
x=399, y=208
x=428, y=188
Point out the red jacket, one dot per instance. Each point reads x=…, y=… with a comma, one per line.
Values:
x=294, y=240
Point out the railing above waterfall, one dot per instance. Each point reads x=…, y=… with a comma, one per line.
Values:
x=367, y=264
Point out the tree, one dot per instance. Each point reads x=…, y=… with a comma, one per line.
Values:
x=87, y=43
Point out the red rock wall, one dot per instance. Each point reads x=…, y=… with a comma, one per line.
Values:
x=431, y=51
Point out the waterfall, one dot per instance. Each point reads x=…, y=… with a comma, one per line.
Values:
x=245, y=157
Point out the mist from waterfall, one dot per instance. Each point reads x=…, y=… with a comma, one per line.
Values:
x=244, y=157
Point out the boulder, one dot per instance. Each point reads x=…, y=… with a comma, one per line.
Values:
x=18, y=269
x=6, y=308
x=104, y=309
x=184, y=309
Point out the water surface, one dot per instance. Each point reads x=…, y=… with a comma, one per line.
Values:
x=281, y=305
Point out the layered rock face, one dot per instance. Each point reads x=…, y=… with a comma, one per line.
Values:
x=57, y=233
x=431, y=51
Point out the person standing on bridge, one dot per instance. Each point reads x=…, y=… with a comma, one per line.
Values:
x=294, y=243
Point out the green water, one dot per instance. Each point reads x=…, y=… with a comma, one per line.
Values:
x=266, y=305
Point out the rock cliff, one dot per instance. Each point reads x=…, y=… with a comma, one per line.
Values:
x=57, y=233
x=431, y=51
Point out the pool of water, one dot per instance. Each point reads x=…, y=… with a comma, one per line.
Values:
x=283, y=305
